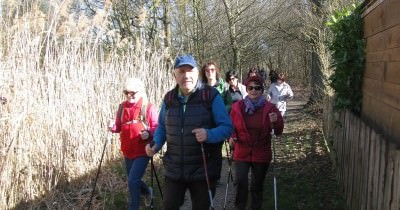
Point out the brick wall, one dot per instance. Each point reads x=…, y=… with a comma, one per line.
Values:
x=381, y=87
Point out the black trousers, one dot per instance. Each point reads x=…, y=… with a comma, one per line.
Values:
x=175, y=194
x=258, y=171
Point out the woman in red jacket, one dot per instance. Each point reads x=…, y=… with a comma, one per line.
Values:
x=253, y=119
x=136, y=122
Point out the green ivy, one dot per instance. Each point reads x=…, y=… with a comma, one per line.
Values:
x=347, y=47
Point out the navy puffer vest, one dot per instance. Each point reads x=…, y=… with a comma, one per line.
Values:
x=183, y=159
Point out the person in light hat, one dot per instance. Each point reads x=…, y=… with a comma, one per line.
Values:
x=194, y=123
x=135, y=121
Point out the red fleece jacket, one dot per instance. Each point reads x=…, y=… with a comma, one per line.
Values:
x=132, y=146
x=249, y=148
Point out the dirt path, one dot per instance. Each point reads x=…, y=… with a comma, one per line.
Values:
x=305, y=176
x=292, y=115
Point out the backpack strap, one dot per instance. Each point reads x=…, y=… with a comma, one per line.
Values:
x=142, y=116
x=120, y=111
x=169, y=98
x=143, y=113
x=207, y=96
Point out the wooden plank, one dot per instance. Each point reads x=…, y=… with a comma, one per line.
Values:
x=377, y=111
x=392, y=73
x=349, y=152
x=375, y=71
x=382, y=175
x=371, y=172
x=367, y=156
x=351, y=166
x=364, y=147
x=372, y=4
x=357, y=164
x=346, y=159
x=388, y=55
x=338, y=139
x=391, y=95
x=382, y=17
x=344, y=145
x=386, y=39
x=396, y=184
x=389, y=177
x=375, y=138
x=372, y=21
x=373, y=87
x=377, y=42
x=395, y=125
x=367, y=110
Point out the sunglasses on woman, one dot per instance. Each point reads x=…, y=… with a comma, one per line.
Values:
x=129, y=92
x=257, y=88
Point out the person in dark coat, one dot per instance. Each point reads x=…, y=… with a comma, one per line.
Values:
x=192, y=116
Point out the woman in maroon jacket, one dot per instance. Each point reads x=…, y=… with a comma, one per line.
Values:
x=253, y=119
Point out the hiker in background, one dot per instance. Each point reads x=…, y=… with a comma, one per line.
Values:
x=273, y=76
x=210, y=75
x=263, y=73
x=136, y=121
x=252, y=72
x=237, y=90
x=192, y=117
x=253, y=119
x=279, y=92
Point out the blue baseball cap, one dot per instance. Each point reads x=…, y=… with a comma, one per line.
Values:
x=185, y=60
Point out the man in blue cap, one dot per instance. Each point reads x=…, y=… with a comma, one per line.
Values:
x=192, y=117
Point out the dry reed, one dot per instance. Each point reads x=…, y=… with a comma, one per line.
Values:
x=61, y=93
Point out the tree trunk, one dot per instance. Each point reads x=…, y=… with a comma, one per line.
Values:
x=167, y=32
x=232, y=36
x=317, y=79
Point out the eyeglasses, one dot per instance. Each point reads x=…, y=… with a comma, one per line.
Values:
x=129, y=92
x=232, y=78
x=210, y=69
x=257, y=88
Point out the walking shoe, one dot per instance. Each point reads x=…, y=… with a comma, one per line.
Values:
x=148, y=197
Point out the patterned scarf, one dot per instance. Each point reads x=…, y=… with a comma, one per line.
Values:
x=250, y=107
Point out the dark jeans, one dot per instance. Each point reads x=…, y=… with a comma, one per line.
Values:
x=258, y=171
x=175, y=194
x=136, y=168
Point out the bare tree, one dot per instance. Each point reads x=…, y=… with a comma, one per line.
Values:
x=234, y=11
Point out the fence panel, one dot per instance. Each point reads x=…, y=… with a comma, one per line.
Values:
x=368, y=165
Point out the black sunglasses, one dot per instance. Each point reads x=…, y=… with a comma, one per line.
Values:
x=254, y=88
x=232, y=78
x=129, y=92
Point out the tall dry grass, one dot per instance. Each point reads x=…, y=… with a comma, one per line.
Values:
x=61, y=92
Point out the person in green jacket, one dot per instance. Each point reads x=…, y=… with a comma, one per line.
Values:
x=211, y=76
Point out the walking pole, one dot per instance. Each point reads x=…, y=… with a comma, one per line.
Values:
x=230, y=159
x=98, y=170
x=207, y=180
x=229, y=177
x=152, y=184
x=157, y=180
x=273, y=170
x=153, y=170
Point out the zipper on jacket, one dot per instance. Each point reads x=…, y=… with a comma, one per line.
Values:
x=181, y=109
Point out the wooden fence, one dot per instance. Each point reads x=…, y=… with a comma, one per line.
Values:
x=368, y=166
